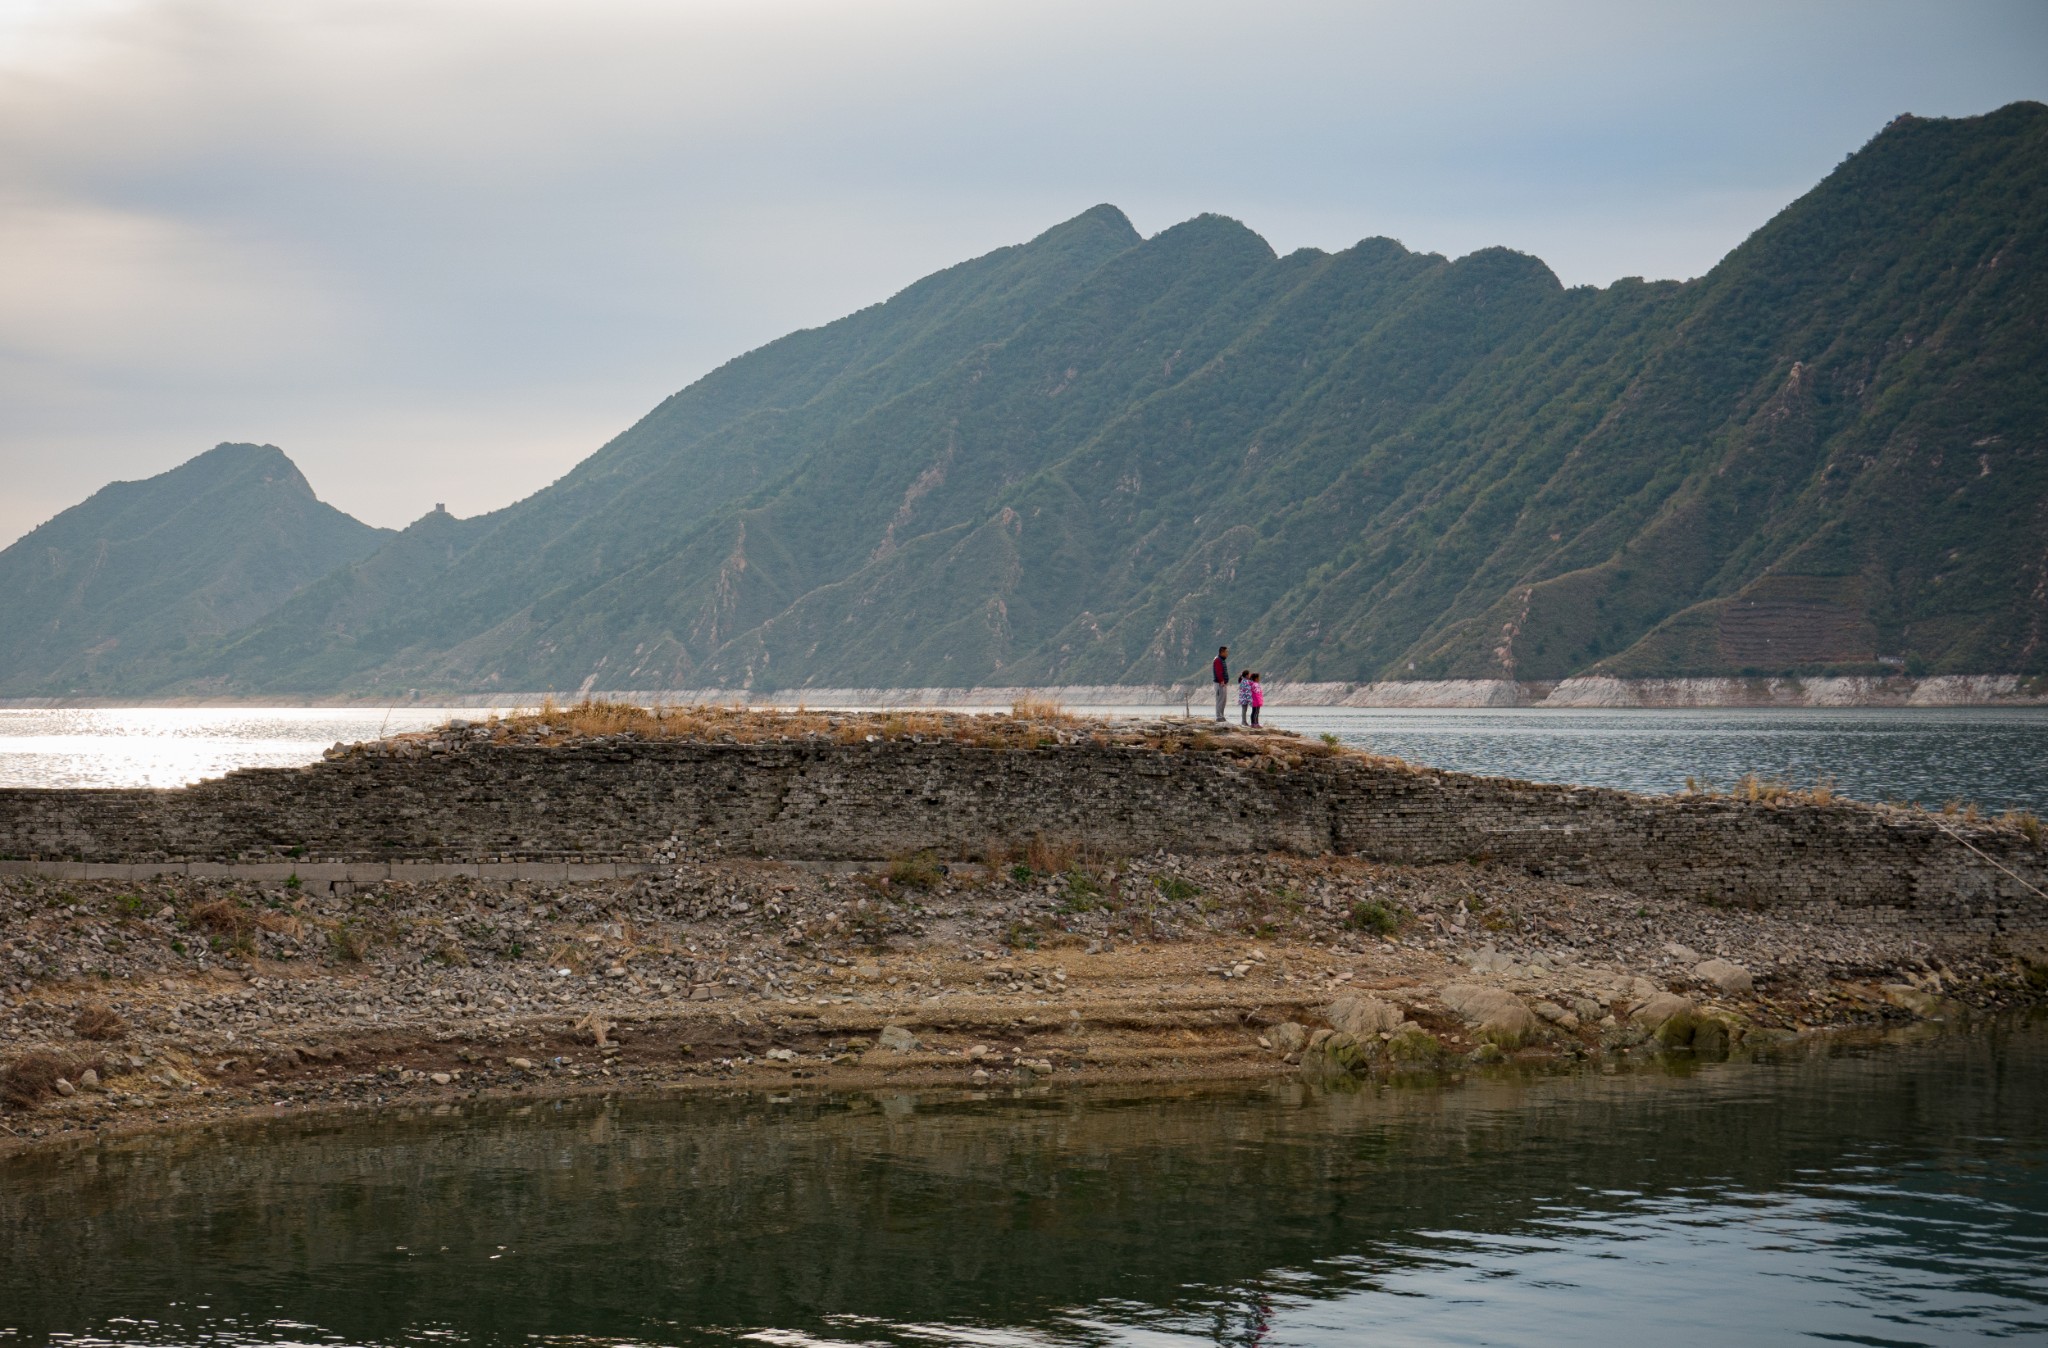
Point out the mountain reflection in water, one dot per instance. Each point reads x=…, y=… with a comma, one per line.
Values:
x=1879, y=1194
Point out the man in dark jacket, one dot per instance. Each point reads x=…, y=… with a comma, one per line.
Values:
x=1219, y=670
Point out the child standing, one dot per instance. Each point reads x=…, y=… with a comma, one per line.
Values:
x=1258, y=698
x=1244, y=697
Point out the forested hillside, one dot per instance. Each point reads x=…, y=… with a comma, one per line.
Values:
x=1091, y=458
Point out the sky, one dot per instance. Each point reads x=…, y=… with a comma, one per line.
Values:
x=441, y=250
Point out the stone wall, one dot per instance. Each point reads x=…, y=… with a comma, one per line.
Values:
x=633, y=801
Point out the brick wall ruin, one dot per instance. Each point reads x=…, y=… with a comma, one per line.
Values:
x=634, y=800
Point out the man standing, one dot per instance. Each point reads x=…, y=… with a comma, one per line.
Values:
x=1220, y=672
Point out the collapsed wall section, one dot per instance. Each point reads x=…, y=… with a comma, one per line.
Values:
x=637, y=800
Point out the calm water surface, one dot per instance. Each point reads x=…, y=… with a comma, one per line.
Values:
x=1995, y=757
x=1878, y=1195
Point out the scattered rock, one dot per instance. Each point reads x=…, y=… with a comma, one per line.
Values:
x=1681, y=952
x=780, y=1055
x=1556, y=1014
x=65, y=1088
x=89, y=1079
x=899, y=1040
x=1289, y=1037
x=441, y=1078
x=523, y=1064
x=1732, y=979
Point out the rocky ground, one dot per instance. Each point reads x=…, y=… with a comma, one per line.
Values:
x=128, y=1006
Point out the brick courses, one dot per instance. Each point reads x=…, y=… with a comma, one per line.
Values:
x=625, y=800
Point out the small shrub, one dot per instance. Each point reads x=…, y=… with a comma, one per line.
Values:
x=224, y=917
x=292, y=881
x=1761, y=791
x=134, y=905
x=349, y=943
x=1330, y=738
x=1051, y=858
x=1500, y=920
x=920, y=870
x=98, y=1022
x=1176, y=888
x=1039, y=709
x=1381, y=919
x=2026, y=821
x=1020, y=874
x=1083, y=892
x=32, y=1077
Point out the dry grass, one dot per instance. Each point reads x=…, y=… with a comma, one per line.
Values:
x=920, y=870
x=1759, y=790
x=98, y=1022
x=2026, y=821
x=1040, y=709
x=1031, y=723
x=224, y=917
x=33, y=1078
x=1051, y=856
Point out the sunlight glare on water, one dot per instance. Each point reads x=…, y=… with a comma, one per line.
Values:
x=173, y=746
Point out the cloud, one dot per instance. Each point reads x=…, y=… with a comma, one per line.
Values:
x=465, y=226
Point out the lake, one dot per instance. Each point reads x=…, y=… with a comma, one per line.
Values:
x=1892, y=1193
x=1996, y=757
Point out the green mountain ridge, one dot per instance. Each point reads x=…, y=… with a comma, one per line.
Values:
x=1093, y=457
x=112, y=592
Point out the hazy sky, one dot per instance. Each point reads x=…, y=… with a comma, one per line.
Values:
x=439, y=250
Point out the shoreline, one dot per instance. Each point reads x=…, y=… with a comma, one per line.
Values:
x=233, y=1001
x=1581, y=693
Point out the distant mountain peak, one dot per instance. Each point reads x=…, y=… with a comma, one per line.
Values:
x=102, y=596
x=1094, y=457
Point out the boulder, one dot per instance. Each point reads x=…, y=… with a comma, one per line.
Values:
x=1361, y=1017
x=1660, y=1007
x=1488, y=1008
x=1289, y=1037
x=1487, y=960
x=1333, y=1053
x=1556, y=1015
x=1732, y=979
x=899, y=1040
x=1926, y=1005
x=1414, y=1045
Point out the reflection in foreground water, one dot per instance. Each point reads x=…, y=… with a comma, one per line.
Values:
x=1892, y=1194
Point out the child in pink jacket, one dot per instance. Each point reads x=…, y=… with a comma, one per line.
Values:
x=1258, y=699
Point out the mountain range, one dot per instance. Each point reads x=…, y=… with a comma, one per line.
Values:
x=1093, y=457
